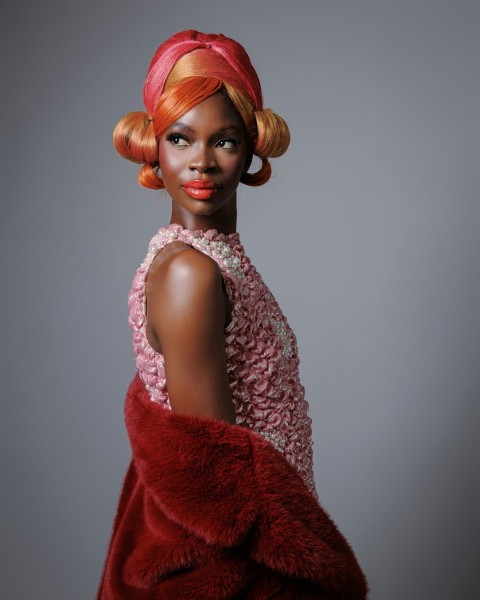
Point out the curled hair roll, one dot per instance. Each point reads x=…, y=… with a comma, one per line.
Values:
x=273, y=135
x=148, y=177
x=134, y=138
x=260, y=177
x=271, y=138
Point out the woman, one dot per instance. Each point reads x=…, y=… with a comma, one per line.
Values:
x=219, y=499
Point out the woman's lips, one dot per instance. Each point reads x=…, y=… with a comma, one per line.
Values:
x=200, y=189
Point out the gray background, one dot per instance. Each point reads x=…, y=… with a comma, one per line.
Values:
x=367, y=234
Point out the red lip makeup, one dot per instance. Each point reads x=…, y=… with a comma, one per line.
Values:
x=200, y=189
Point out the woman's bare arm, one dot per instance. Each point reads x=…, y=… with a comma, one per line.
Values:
x=186, y=318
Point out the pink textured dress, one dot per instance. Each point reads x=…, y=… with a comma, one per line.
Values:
x=262, y=356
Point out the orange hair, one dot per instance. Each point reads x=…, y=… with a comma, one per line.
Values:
x=194, y=77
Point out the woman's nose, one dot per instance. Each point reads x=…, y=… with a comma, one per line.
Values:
x=202, y=159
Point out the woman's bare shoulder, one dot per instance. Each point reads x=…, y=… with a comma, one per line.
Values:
x=178, y=262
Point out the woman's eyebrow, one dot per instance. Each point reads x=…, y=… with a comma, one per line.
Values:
x=228, y=127
x=182, y=126
x=221, y=130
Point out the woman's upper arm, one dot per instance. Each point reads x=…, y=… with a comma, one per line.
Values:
x=186, y=311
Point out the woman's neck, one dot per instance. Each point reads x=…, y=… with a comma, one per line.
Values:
x=223, y=220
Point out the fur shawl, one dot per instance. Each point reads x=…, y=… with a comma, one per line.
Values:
x=212, y=511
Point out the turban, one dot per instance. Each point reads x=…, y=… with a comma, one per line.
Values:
x=227, y=58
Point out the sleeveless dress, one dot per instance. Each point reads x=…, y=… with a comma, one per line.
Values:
x=261, y=349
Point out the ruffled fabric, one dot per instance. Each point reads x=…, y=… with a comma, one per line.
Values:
x=261, y=348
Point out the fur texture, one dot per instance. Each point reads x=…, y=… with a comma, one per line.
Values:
x=212, y=511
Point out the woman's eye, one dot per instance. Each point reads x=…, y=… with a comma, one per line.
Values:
x=228, y=143
x=177, y=140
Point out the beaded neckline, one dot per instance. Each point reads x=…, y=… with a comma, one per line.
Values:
x=224, y=248
x=208, y=234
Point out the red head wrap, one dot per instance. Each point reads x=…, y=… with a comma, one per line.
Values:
x=238, y=72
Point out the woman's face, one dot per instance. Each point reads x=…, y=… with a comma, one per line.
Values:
x=202, y=156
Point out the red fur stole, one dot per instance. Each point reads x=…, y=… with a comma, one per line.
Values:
x=212, y=511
